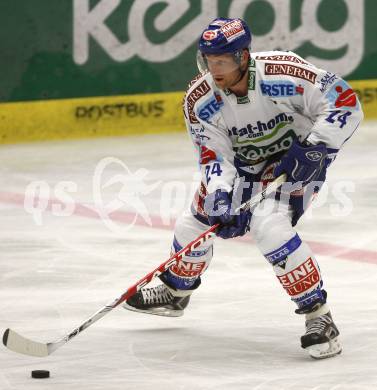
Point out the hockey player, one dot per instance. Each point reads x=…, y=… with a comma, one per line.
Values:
x=252, y=117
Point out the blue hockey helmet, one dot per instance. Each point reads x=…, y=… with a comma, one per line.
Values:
x=225, y=35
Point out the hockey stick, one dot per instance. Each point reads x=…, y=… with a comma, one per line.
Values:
x=17, y=343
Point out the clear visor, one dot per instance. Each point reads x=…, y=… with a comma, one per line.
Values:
x=218, y=64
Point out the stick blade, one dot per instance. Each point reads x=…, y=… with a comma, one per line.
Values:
x=17, y=343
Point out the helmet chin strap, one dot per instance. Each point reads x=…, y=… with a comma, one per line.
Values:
x=241, y=75
x=238, y=58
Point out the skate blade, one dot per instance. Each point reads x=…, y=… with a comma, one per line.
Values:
x=325, y=350
x=161, y=311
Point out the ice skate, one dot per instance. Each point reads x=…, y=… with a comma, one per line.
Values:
x=160, y=300
x=321, y=337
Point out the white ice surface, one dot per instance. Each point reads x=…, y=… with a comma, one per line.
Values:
x=240, y=331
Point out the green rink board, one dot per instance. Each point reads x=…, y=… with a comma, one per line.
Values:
x=59, y=49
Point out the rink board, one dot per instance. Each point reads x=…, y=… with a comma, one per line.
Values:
x=91, y=117
x=367, y=92
x=115, y=115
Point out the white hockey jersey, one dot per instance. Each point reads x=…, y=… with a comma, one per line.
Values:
x=287, y=98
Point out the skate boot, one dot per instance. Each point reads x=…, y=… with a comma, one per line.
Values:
x=160, y=300
x=321, y=336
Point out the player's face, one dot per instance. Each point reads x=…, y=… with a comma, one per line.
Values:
x=224, y=69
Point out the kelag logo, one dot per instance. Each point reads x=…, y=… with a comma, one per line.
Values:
x=247, y=140
x=255, y=153
x=340, y=48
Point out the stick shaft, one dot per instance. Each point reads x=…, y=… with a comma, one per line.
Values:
x=137, y=286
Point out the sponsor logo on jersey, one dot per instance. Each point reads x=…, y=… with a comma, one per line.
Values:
x=197, y=134
x=301, y=279
x=327, y=80
x=251, y=79
x=207, y=155
x=341, y=95
x=243, y=99
x=290, y=70
x=346, y=98
x=250, y=132
x=279, y=88
x=288, y=58
x=202, y=89
x=255, y=154
x=210, y=107
x=232, y=30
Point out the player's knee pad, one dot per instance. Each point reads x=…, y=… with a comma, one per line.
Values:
x=298, y=272
x=185, y=274
x=271, y=231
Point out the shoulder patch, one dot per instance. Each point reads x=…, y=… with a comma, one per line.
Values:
x=202, y=89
